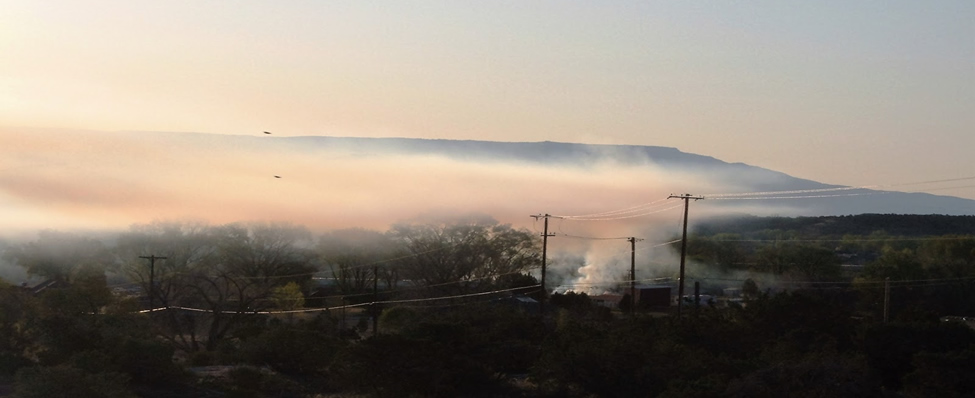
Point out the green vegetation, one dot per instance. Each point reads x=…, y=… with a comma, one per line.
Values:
x=240, y=315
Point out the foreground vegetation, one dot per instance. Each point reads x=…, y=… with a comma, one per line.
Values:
x=230, y=321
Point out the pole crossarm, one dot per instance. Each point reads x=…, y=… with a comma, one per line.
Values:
x=538, y=216
x=685, y=196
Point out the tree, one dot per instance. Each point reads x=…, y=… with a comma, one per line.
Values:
x=55, y=255
x=214, y=278
x=288, y=297
x=945, y=374
x=809, y=377
x=88, y=292
x=465, y=254
x=450, y=352
x=290, y=349
x=803, y=261
x=352, y=254
x=16, y=337
x=951, y=256
x=895, y=264
x=723, y=250
x=892, y=350
x=187, y=246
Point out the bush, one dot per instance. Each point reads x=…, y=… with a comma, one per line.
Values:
x=148, y=362
x=291, y=350
x=69, y=382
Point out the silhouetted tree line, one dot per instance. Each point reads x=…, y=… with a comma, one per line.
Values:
x=756, y=227
x=821, y=335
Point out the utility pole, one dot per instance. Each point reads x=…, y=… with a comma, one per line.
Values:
x=683, y=249
x=697, y=295
x=152, y=276
x=375, y=299
x=633, y=273
x=545, y=235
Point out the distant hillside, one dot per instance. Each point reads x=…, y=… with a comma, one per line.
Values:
x=748, y=178
x=745, y=178
x=908, y=225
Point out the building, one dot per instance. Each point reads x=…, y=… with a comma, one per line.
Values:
x=653, y=296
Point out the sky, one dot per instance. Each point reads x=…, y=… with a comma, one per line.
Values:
x=840, y=92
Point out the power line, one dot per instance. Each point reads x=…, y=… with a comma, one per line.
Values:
x=645, y=248
x=412, y=288
x=320, y=309
x=799, y=197
x=632, y=209
x=642, y=209
x=946, y=188
x=789, y=192
x=466, y=302
x=565, y=235
x=933, y=181
x=621, y=216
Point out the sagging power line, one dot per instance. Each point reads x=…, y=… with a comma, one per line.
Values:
x=321, y=309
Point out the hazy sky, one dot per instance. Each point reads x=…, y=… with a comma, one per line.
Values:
x=842, y=92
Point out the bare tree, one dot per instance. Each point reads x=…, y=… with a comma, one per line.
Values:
x=353, y=255
x=55, y=255
x=215, y=278
x=464, y=255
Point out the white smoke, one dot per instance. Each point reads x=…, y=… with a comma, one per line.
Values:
x=57, y=179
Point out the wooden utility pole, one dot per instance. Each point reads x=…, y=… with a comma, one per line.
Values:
x=545, y=235
x=152, y=276
x=375, y=299
x=697, y=295
x=683, y=249
x=633, y=273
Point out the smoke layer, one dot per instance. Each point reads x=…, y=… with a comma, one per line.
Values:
x=69, y=179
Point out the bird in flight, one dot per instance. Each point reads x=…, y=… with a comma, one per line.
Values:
x=277, y=176
x=267, y=132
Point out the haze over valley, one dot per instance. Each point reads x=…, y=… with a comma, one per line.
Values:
x=69, y=179
x=106, y=182
x=487, y=199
